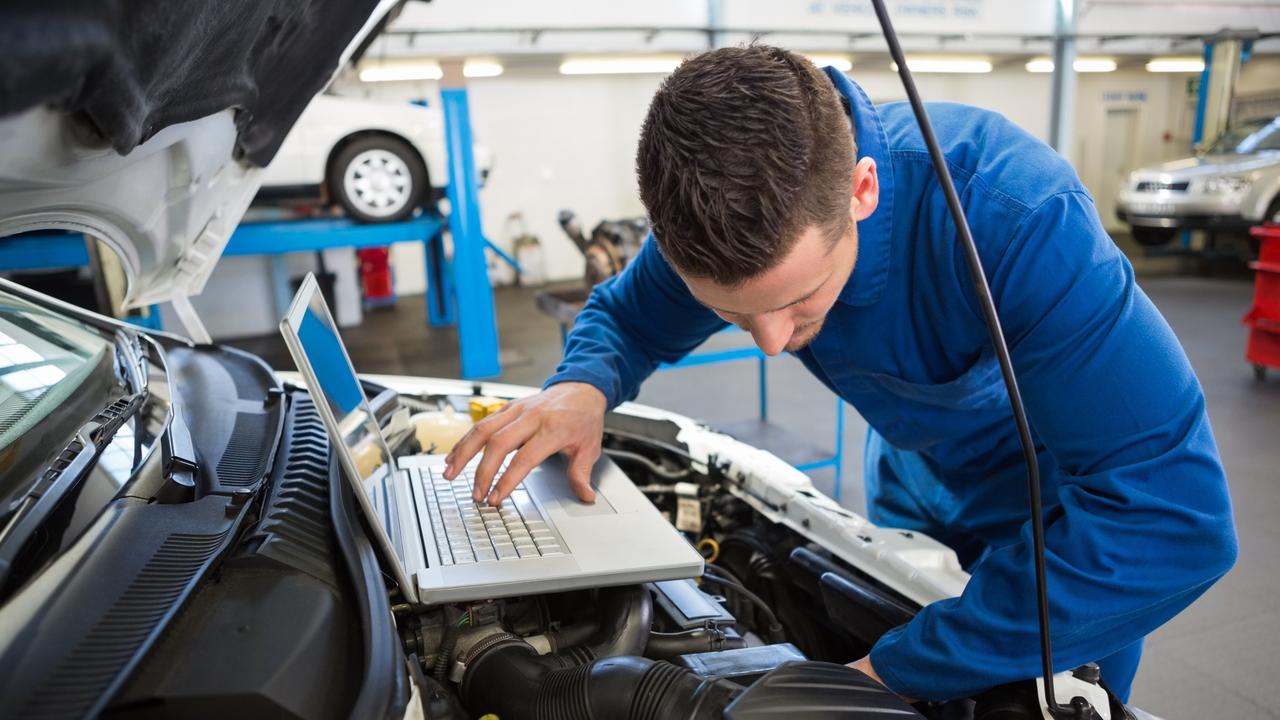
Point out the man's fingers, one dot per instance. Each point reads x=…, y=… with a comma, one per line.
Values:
x=473, y=441
x=580, y=463
x=500, y=445
x=529, y=457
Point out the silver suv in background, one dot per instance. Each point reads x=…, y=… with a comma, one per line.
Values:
x=1233, y=184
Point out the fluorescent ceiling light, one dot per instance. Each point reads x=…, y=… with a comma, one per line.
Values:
x=620, y=65
x=1081, y=65
x=482, y=68
x=926, y=64
x=839, y=62
x=1176, y=65
x=401, y=72
x=425, y=70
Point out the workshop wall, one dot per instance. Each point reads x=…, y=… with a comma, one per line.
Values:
x=569, y=141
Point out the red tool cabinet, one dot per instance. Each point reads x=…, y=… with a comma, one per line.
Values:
x=1263, y=319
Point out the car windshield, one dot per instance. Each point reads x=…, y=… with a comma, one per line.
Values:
x=1251, y=137
x=49, y=365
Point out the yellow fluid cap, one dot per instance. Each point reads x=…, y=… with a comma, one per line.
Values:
x=482, y=407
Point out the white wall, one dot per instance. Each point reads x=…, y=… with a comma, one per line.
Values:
x=1260, y=74
x=569, y=142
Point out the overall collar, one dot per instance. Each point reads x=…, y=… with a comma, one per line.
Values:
x=870, y=272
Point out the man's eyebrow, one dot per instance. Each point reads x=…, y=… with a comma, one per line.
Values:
x=797, y=301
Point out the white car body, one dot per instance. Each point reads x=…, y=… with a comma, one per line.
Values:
x=332, y=120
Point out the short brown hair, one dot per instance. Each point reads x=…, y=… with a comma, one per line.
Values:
x=741, y=150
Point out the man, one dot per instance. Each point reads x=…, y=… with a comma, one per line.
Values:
x=784, y=202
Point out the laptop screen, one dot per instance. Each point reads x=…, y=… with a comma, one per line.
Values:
x=340, y=390
x=313, y=340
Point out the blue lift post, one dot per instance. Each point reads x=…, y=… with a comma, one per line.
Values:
x=441, y=309
x=477, y=322
x=1197, y=131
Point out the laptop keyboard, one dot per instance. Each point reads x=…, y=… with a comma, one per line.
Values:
x=467, y=532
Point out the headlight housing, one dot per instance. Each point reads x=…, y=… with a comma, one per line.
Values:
x=1227, y=184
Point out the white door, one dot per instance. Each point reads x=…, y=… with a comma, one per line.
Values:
x=1119, y=146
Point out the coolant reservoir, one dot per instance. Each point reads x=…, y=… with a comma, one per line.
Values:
x=439, y=430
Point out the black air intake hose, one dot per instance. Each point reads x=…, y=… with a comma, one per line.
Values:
x=664, y=646
x=625, y=616
x=508, y=678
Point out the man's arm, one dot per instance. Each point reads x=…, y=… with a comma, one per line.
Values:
x=1143, y=524
x=631, y=323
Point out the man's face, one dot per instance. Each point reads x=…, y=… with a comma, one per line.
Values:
x=784, y=307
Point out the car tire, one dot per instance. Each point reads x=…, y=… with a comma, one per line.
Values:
x=378, y=179
x=1153, y=237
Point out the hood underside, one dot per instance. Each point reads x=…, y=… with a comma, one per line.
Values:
x=144, y=122
x=130, y=69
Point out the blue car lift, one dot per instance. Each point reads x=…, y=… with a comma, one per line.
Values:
x=458, y=291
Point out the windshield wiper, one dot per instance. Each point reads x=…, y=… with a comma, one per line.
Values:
x=130, y=362
x=62, y=476
x=79, y=456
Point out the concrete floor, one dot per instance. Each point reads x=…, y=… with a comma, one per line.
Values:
x=1216, y=660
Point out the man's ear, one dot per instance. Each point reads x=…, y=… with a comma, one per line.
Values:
x=866, y=190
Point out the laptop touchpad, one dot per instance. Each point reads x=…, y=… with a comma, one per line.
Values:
x=550, y=486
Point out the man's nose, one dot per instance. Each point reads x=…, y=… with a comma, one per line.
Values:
x=771, y=333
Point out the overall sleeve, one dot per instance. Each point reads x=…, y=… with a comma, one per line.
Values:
x=1142, y=522
x=631, y=323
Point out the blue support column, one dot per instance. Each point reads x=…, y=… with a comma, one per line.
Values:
x=477, y=324
x=1202, y=97
x=763, y=371
x=441, y=310
x=839, y=456
x=1062, y=99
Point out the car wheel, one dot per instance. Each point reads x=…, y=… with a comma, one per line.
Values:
x=1153, y=237
x=378, y=179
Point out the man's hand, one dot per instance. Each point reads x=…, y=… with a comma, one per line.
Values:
x=565, y=417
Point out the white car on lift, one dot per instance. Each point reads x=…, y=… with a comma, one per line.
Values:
x=379, y=160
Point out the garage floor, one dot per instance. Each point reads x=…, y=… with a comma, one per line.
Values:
x=1218, y=659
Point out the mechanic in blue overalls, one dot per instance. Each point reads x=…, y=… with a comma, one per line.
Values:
x=766, y=216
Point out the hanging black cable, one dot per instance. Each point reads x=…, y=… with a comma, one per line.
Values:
x=983, y=292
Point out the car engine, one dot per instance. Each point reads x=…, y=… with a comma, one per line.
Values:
x=766, y=629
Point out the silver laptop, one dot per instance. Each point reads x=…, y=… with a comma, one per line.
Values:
x=445, y=548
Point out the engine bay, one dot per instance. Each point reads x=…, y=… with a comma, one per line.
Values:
x=773, y=609
x=299, y=617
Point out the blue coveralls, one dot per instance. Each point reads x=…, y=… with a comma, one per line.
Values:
x=1138, y=517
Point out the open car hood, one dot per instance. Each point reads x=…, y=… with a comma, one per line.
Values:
x=146, y=123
